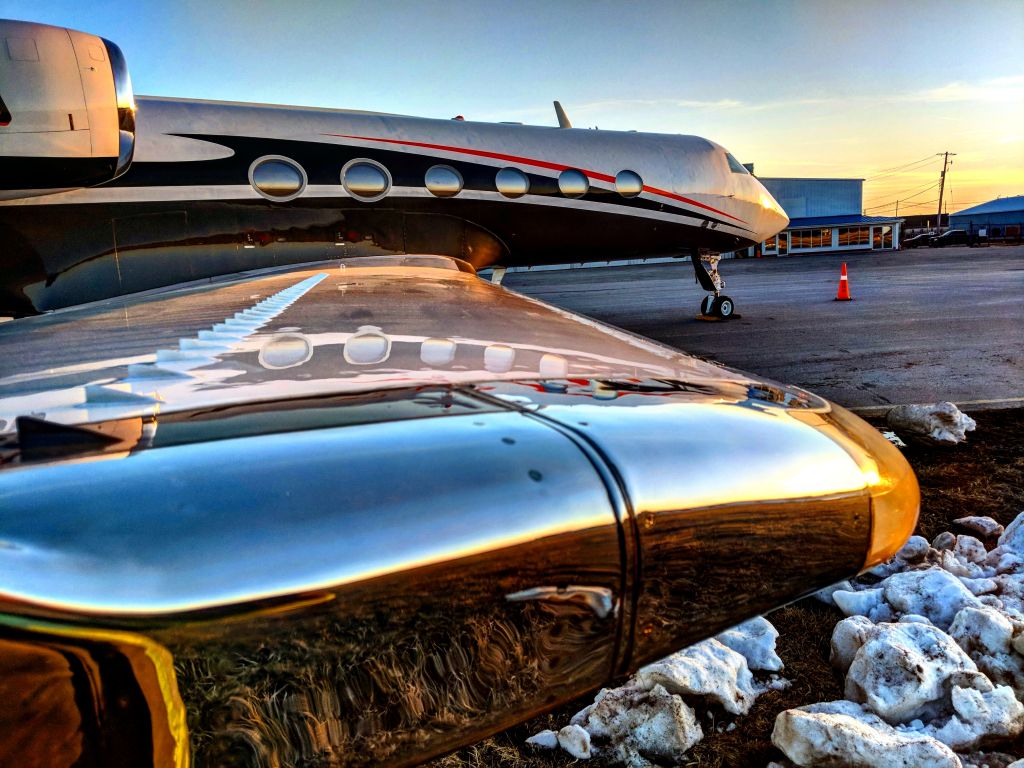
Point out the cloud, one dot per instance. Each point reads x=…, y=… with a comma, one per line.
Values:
x=998, y=89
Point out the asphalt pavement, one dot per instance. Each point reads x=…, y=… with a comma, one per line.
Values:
x=924, y=325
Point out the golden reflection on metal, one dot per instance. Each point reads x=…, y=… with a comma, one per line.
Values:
x=285, y=350
x=367, y=346
x=153, y=670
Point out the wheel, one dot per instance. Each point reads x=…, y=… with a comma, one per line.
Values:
x=707, y=305
x=723, y=307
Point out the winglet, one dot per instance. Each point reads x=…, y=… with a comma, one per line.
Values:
x=563, y=119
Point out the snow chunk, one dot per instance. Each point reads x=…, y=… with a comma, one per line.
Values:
x=1013, y=537
x=980, y=716
x=825, y=595
x=987, y=636
x=906, y=671
x=935, y=594
x=847, y=638
x=755, y=641
x=866, y=602
x=576, y=741
x=546, y=739
x=941, y=423
x=647, y=720
x=842, y=733
x=706, y=669
x=634, y=722
x=985, y=527
x=915, y=550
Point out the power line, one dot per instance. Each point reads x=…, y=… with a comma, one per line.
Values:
x=899, y=167
x=899, y=195
x=900, y=200
x=902, y=169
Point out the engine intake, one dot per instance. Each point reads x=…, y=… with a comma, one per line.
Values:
x=67, y=112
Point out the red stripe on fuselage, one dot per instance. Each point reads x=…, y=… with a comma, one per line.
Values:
x=538, y=164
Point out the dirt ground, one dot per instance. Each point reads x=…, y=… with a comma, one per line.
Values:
x=985, y=476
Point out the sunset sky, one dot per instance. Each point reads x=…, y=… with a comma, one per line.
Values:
x=799, y=88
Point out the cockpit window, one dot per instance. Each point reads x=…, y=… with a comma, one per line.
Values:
x=735, y=165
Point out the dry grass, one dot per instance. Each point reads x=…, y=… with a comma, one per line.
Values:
x=983, y=477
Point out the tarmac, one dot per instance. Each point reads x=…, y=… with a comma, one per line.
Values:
x=924, y=325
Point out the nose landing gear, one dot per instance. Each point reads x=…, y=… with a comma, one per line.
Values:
x=706, y=270
x=717, y=306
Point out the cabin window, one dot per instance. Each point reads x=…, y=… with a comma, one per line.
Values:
x=443, y=181
x=277, y=178
x=573, y=183
x=366, y=180
x=735, y=165
x=512, y=182
x=628, y=183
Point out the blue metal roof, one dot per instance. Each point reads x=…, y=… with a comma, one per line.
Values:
x=840, y=221
x=1000, y=205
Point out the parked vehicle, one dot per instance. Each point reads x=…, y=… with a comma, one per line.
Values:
x=951, y=237
x=925, y=238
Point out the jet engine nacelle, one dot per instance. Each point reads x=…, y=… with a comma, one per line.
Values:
x=67, y=114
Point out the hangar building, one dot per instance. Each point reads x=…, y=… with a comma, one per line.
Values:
x=1002, y=219
x=825, y=216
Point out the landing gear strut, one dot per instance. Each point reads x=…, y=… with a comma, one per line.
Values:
x=706, y=270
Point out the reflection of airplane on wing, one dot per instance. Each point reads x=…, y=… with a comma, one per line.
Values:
x=372, y=508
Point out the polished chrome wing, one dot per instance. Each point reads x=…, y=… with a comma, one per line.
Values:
x=361, y=514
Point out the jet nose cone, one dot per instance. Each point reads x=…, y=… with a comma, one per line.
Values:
x=772, y=218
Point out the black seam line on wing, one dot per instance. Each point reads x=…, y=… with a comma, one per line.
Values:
x=621, y=504
x=323, y=161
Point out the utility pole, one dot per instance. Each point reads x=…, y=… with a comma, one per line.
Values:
x=942, y=184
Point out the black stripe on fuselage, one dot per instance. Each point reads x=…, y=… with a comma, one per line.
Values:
x=323, y=162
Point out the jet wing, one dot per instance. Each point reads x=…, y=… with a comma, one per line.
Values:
x=370, y=512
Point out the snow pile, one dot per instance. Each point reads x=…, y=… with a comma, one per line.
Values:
x=646, y=721
x=941, y=423
x=933, y=657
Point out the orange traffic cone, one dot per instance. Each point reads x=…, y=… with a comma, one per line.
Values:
x=843, y=294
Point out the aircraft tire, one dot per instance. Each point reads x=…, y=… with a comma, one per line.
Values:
x=707, y=305
x=723, y=307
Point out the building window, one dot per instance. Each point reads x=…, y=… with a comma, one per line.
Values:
x=811, y=238
x=882, y=238
x=770, y=244
x=854, y=236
